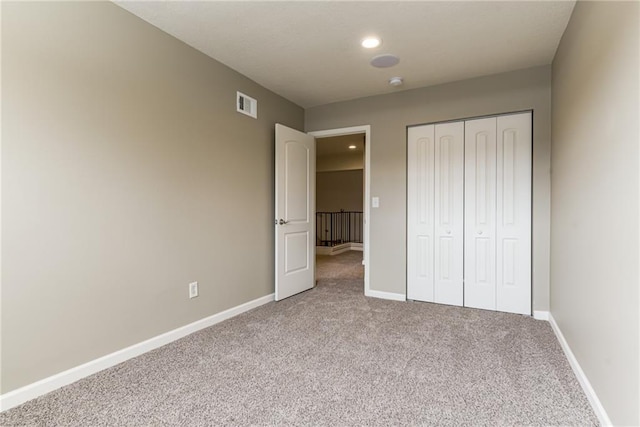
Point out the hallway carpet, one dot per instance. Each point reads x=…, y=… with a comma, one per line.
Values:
x=331, y=356
x=347, y=265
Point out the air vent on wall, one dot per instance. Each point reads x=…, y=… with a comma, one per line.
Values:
x=247, y=105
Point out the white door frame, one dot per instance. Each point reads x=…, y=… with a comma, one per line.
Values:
x=366, y=129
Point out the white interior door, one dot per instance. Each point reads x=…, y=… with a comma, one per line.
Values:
x=449, y=215
x=420, y=222
x=294, y=211
x=513, y=213
x=480, y=214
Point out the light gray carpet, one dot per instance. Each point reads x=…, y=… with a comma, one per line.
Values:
x=331, y=356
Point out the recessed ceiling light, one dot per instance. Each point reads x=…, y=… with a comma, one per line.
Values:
x=352, y=147
x=371, y=42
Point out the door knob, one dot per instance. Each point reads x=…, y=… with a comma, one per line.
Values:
x=480, y=232
x=282, y=222
x=448, y=231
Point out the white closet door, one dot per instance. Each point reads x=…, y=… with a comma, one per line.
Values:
x=449, y=215
x=513, y=213
x=480, y=214
x=420, y=212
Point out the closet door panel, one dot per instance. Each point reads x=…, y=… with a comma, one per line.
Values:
x=448, y=213
x=513, y=290
x=480, y=214
x=420, y=213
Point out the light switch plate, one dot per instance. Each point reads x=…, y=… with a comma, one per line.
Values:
x=375, y=202
x=193, y=289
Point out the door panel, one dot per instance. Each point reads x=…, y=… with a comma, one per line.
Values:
x=420, y=205
x=480, y=214
x=296, y=181
x=514, y=213
x=295, y=204
x=295, y=250
x=446, y=261
x=448, y=218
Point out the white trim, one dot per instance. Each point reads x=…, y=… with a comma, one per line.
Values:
x=46, y=385
x=366, y=129
x=386, y=295
x=582, y=378
x=540, y=315
x=338, y=249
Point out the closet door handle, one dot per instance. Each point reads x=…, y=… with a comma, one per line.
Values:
x=448, y=231
x=480, y=233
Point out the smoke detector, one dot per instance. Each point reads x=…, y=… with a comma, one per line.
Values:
x=395, y=81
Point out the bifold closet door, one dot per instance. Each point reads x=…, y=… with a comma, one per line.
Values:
x=420, y=212
x=497, y=249
x=480, y=213
x=449, y=213
x=435, y=213
x=513, y=213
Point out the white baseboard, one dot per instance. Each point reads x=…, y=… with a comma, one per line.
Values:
x=541, y=315
x=385, y=295
x=582, y=378
x=338, y=249
x=46, y=385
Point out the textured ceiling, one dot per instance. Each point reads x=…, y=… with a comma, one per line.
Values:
x=310, y=53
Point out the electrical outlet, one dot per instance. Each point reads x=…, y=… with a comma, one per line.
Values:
x=193, y=289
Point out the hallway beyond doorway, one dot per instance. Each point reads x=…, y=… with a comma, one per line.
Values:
x=347, y=265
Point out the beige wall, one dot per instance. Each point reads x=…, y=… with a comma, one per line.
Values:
x=340, y=162
x=389, y=115
x=594, y=246
x=126, y=174
x=339, y=190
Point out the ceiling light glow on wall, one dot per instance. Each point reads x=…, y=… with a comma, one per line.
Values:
x=352, y=147
x=371, y=42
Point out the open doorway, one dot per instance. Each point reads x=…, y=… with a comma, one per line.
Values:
x=362, y=133
x=340, y=209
